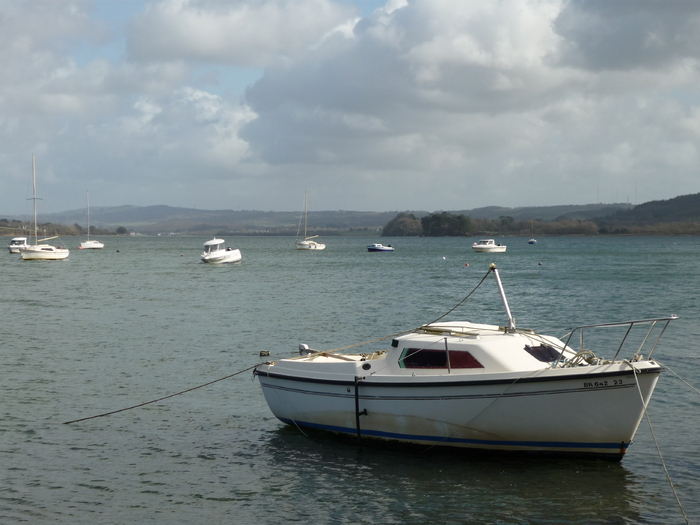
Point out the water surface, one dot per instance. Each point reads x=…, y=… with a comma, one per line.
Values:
x=143, y=318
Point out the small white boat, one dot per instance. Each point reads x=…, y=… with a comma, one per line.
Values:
x=216, y=252
x=16, y=243
x=532, y=241
x=90, y=244
x=307, y=243
x=376, y=247
x=36, y=251
x=488, y=246
x=47, y=252
x=477, y=386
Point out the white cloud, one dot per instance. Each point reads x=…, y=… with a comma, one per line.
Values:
x=247, y=33
x=510, y=102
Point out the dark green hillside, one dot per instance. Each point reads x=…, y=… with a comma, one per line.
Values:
x=546, y=213
x=677, y=216
x=685, y=208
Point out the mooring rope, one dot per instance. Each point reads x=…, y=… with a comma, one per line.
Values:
x=463, y=300
x=686, y=382
x=656, y=444
x=412, y=329
x=255, y=366
x=164, y=397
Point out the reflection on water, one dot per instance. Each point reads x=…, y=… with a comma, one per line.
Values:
x=397, y=487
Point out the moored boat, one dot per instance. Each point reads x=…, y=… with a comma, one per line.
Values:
x=307, y=243
x=16, y=243
x=216, y=252
x=488, y=246
x=90, y=244
x=476, y=386
x=376, y=247
x=37, y=251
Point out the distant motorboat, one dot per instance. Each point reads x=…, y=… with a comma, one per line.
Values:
x=16, y=243
x=216, y=252
x=91, y=244
x=488, y=246
x=376, y=247
x=532, y=241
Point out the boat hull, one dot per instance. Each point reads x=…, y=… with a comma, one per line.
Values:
x=310, y=245
x=489, y=249
x=222, y=256
x=44, y=253
x=561, y=411
x=91, y=245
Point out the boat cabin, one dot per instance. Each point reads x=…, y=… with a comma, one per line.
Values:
x=214, y=245
x=16, y=243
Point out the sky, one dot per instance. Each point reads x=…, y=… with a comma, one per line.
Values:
x=370, y=105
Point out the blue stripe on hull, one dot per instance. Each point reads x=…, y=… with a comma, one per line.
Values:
x=535, y=445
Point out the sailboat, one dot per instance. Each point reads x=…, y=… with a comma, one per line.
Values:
x=532, y=231
x=38, y=251
x=90, y=243
x=307, y=243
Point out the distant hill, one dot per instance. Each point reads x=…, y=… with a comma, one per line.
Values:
x=685, y=208
x=547, y=213
x=162, y=218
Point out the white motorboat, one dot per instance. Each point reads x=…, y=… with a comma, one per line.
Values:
x=307, y=243
x=90, y=244
x=477, y=386
x=216, y=252
x=16, y=243
x=38, y=251
x=376, y=247
x=488, y=246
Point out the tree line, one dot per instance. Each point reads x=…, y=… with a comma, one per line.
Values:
x=445, y=224
x=16, y=228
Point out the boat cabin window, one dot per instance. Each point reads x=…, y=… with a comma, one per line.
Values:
x=544, y=353
x=432, y=358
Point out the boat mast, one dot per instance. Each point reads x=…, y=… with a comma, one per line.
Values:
x=306, y=209
x=511, y=321
x=87, y=195
x=36, y=237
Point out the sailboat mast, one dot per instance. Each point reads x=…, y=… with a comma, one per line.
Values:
x=87, y=195
x=36, y=237
x=306, y=209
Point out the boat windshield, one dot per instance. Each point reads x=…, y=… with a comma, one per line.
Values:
x=213, y=248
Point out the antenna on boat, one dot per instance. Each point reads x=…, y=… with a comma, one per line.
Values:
x=511, y=321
